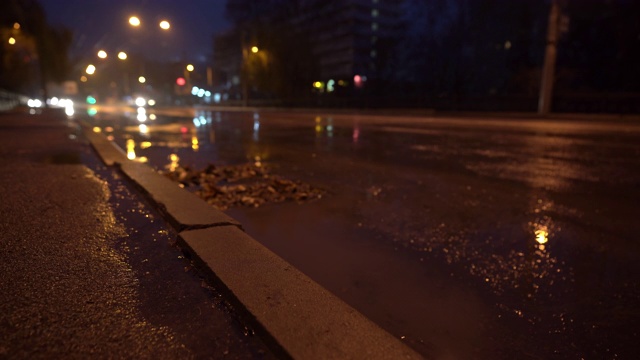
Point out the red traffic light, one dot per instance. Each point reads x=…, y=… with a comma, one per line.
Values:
x=181, y=81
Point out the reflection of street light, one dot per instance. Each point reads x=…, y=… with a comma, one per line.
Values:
x=134, y=21
x=102, y=54
x=90, y=69
x=122, y=55
x=164, y=25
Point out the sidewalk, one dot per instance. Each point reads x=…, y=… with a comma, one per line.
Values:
x=90, y=268
x=87, y=267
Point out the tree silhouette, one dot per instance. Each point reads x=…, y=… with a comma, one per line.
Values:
x=49, y=46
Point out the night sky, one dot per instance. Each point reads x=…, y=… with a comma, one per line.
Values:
x=104, y=24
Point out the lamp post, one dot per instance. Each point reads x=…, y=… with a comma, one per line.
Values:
x=187, y=75
x=252, y=58
x=549, y=67
x=137, y=22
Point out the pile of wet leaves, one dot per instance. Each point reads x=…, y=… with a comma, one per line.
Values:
x=248, y=185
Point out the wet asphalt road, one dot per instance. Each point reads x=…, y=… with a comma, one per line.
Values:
x=466, y=237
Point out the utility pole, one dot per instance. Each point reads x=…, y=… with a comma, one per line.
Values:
x=549, y=67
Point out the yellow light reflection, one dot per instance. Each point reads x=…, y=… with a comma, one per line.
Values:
x=96, y=129
x=174, y=162
x=194, y=143
x=131, y=152
x=145, y=144
x=542, y=236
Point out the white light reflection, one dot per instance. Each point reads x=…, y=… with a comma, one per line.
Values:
x=69, y=110
x=256, y=126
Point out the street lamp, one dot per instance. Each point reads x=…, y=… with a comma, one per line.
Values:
x=164, y=25
x=91, y=69
x=122, y=55
x=134, y=21
x=12, y=41
x=246, y=71
x=102, y=54
x=190, y=68
x=142, y=79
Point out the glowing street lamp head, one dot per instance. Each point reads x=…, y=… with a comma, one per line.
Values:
x=102, y=54
x=122, y=55
x=12, y=41
x=91, y=69
x=164, y=25
x=190, y=68
x=254, y=49
x=134, y=21
x=142, y=79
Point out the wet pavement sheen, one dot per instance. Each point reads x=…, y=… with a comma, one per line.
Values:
x=467, y=238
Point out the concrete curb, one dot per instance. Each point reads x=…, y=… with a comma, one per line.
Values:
x=293, y=314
